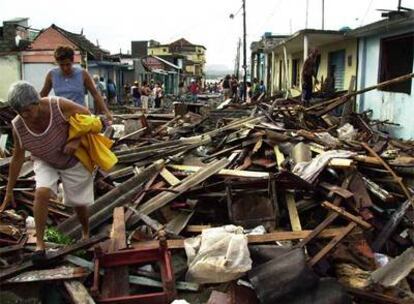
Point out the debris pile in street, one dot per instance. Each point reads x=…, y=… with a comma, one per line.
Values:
x=268, y=202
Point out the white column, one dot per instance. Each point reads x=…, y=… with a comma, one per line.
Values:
x=286, y=71
x=273, y=79
x=305, y=47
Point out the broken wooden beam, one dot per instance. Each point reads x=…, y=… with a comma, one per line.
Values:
x=78, y=293
x=223, y=172
x=165, y=197
x=115, y=280
x=331, y=245
x=253, y=239
x=390, y=226
x=347, y=215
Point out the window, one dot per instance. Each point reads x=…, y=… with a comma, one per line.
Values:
x=396, y=59
x=164, y=50
x=295, y=72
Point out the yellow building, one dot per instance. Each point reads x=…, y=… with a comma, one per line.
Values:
x=338, y=59
x=191, y=57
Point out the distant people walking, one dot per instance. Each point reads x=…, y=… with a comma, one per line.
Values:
x=136, y=94
x=309, y=71
x=226, y=87
x=71, y=82
x=111, y=87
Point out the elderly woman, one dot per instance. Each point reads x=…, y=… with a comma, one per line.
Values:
x=71, y=82
x=41, y=127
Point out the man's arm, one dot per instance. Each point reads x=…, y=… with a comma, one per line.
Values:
x=14, y=170
x=90, y=86
x=47, y=86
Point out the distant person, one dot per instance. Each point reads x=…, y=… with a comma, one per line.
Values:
x=71, y=82
x=249, y=92
x=98, y=86
x=158, y=92
x=127, y=92
x=234, y=84
x=226, y=87
x=111, y=87
x=194, y=90
x=262, y=87
x=136, y=94
x=181, y=90
x=145, y=93
x=309, y=71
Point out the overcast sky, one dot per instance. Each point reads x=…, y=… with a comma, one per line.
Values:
x=207, y=22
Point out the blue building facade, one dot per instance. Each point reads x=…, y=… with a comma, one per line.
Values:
x=385, y=51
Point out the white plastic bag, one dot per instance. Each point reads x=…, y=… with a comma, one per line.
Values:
x=218, y=255
x=347, y=132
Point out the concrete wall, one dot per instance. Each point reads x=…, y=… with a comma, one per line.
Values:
x=395, y=107
x=159, y=51
x=35, y=73
x=350, y=47
x=10, y=72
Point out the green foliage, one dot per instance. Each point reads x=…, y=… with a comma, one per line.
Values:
x=52, y=235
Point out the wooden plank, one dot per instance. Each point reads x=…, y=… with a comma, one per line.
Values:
x=196, y=228
x=78, y=293
x=139, y=131
x=390, y=226
x=340, y=163
x=115, y=281
x=279, y=156
x=252, y=239
x=315, y=232
x=169, y=177
x=293, y=212
x=331, y=245
x=396, y=178
x=60, y=273
x=165, y=197
x=347, y=215
x=223, y=172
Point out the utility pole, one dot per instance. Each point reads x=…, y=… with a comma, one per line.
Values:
x=244, y=53
x=323, y=14
x=237, y=63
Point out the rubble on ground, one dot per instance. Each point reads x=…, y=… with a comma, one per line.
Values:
x=267, y=202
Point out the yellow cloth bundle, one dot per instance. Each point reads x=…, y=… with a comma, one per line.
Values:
x=94, y=149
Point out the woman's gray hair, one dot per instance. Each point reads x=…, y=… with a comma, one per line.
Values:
x=22, y=94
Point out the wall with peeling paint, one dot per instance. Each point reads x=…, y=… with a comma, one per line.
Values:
x=394, y=107
x=9, y=73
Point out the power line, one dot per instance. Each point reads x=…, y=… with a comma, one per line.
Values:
x=366, y=12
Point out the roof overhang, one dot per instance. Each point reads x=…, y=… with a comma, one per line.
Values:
x=316, y=38
x=405, y=19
